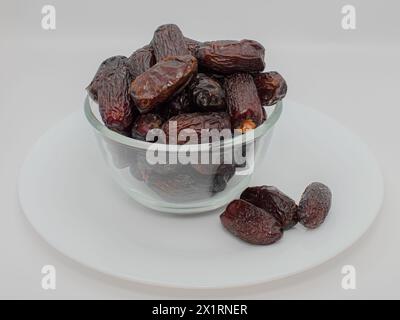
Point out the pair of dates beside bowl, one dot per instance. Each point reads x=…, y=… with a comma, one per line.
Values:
x=197, y=86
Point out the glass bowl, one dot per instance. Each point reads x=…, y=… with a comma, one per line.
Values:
x=182, y=184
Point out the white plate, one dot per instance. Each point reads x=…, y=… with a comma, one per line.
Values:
x=78, y=209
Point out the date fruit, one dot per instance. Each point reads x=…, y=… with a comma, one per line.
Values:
x=251, y=224
x=162, y=81
x=271, y=87
x=275, y=202
x=224, y=173
x=179, y=186
x=314, y=205
x=144, y=123
x=182, y=103
x=228, y=56
x=109, y=89
x=168, y=40
x=243, y=103
x=192, y=45
x=207, y=93
x=195, y=122
x=141, y=60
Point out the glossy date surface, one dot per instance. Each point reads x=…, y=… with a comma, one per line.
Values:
x=271, y=87
x=162, y=81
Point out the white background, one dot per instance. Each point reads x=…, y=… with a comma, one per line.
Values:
x=353, y=76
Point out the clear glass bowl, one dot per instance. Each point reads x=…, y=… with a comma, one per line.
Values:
x=182, y=188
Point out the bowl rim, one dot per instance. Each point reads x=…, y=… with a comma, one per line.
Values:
x=248, y=137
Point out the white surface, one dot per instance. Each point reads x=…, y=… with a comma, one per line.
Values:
x=352, y=76
x=72, y=202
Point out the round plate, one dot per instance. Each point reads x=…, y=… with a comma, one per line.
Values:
x=78, y=209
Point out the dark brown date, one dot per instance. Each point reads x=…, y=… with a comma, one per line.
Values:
x=141, y=60
x=182, y=103
x=141, y=169
x=243, y=103
x=179, y=186
x=162, y=81
x=109, y=88
x=168, y=40
x=143, y=124
x=274, y=202
x=250, y=223
x=271, y=87
x=192, y=45
x=224, y=173
x=207, y=169
x=195, y=122
x=228, y=56
x=207, y=93
x=101, y=75
x=314, y=205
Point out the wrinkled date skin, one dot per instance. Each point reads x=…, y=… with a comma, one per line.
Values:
x=141, y=60
x=207, y=93
x=228, y=56
x=224, y=173
x=192, y=45
x=251, y=224
x=162, y=81
x=275, y=202
x=243, y=103
x=196, y=122
x=314, y=205
x=182, y=103
x=144, y=123
x=271, y=87
x=109, y=89
x=168, y=40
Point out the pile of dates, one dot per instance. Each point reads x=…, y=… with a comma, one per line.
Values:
x=198, y=85
x=262, y=213
x=214, y=84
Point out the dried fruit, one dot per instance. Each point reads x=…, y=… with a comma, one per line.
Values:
x=275, y=202
x=250, y=223
x=162, y=81
x=224, y=173
x=314, y=205
x=182, y=103
x=207, y=93
x=227, y=57
x=109, y=88
x=196, y=122
x=205, y=168
x=141, y=60
x=179, y=186
x=192, y=45
x=271, y=87
x=243, y=103
x=144, y=123
x=167, y=41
